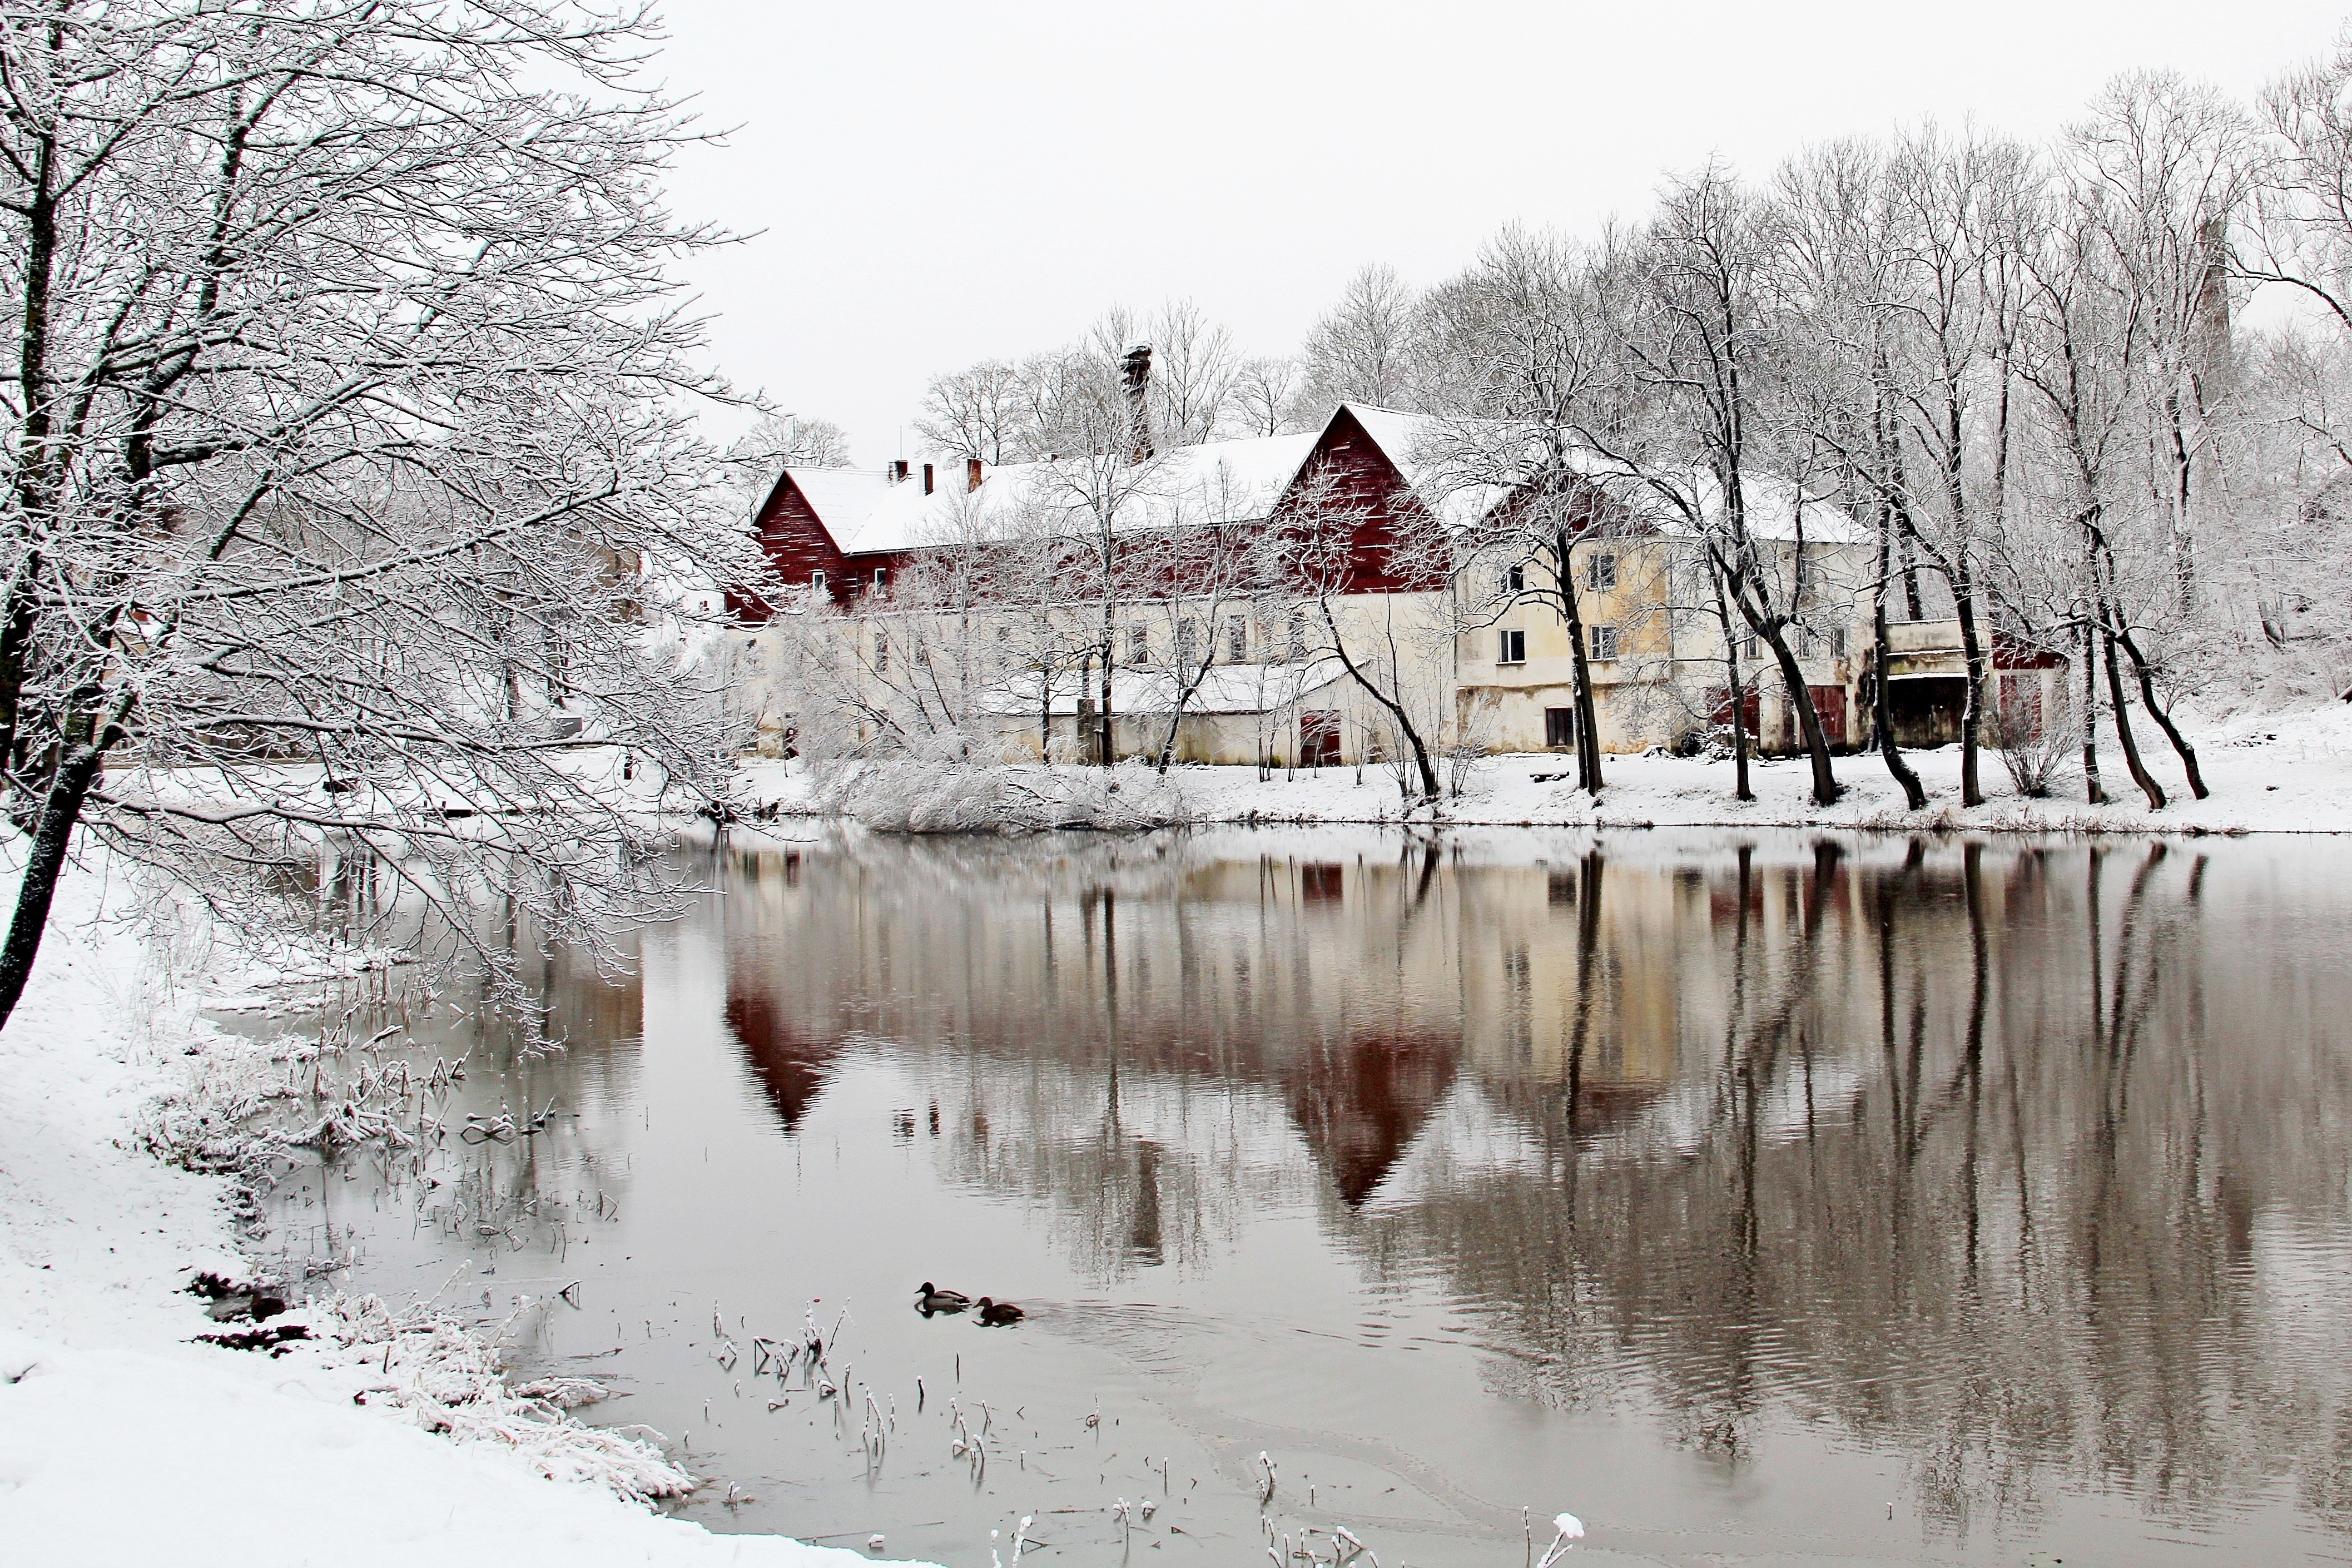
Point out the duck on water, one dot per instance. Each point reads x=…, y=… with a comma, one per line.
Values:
x=930, y=1298
x=995, y=1314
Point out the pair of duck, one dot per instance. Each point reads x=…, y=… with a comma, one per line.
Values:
x=995, y=1314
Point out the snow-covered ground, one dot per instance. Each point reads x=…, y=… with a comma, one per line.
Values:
x=123, y=1440
x=2275, y=773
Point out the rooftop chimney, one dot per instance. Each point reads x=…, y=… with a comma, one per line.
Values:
x=897, y=469
x=1135, y=374
x=927, y=478
x=970, y=475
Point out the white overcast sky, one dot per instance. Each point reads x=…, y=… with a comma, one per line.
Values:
x=931, y=184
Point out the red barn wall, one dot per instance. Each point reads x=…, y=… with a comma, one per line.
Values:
x=795, y=544
x=1364, y=475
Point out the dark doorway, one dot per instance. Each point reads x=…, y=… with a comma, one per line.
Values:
x=1720, y=708
x=1829, y=707
x=1319, y=740
x=1925, y=709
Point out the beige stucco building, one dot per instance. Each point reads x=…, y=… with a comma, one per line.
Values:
x=875, y=642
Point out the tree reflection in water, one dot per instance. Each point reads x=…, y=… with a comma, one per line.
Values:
x=2028, y=1161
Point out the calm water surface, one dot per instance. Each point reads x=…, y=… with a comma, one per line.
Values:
x=1774, y=1196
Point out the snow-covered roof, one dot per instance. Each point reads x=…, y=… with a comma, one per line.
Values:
x=842, y=498
x=867, y=512
x=1215, y=483
x=1419, y=445
x=1776, y=508
x=1222, y=482
x=1427, y=450
x=1408, y=439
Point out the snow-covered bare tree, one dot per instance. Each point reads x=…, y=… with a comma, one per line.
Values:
x=782, y=441
x=1265, y=395
x=1712, y=446
x=2167, y=167
x=1902, y=288
x=1333, y=544
x=2080, y=355
x=980, y=413
x=1363, y=350
x=1210, y=565
x=1193, y=371
x=2296, y=379
x=1840, y=259
x=1529, y=362
x=2163, y=170
x=345, y=449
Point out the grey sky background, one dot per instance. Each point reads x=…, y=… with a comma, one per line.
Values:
x=933, y=185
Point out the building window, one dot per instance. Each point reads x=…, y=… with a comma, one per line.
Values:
x=1514, y=649
x=881, y=581
x=816, y=581
x=881, y=652
x=1515, y=580
x=1139, y=646
x=1236, y=638
x=1559, y=726
x=1188, y=640
x=1604, y=642
x=1298, y=634
x=1603, y=571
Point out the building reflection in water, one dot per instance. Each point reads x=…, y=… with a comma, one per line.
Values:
x=2032, y=1161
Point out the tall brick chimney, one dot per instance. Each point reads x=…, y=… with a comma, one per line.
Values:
x=1135, y=376
x=897, y=469
x=927, y=478
x=970, y=475
x=2215, y=342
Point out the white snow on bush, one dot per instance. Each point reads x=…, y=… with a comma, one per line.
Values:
x=926, y=796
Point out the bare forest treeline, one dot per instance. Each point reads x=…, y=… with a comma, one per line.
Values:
x=2091, y=398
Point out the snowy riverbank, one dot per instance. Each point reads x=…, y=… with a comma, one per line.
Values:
x=123, y=1439
x=2287, y=773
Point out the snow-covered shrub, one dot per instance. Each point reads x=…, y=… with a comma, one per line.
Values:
x=2034, y=747
x=432, y=1369
x=944, y=797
